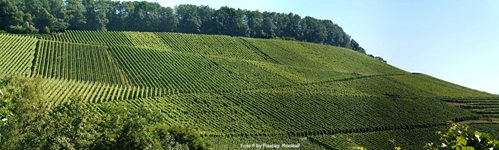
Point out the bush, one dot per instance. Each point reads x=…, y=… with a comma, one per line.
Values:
x=34, y=123
x=46, y=30
x=461, y=137
x=189, y=136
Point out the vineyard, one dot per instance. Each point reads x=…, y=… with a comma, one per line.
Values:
x=93, y=37
x=61, y=90
x=408, y=139
x=62, y=60
x=181, y=72
x=485, y=107
x=237, y=90
x=16, y=54
x=146, y=40
x=257, y=113
x=218, y=45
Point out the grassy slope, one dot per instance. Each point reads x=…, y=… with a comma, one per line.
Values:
x=246, y=87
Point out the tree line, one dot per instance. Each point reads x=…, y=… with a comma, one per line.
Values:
x=45, y=16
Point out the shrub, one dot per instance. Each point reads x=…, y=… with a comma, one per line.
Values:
x=461, y=137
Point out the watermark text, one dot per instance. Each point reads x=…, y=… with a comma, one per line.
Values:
x=268, y=146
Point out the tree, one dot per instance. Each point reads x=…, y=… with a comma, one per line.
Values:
x=332, y=33
x=268, y=26
x=14, y=19
x=26, y=27
x=4, y=15
x=280, y=21
x=292, y=27
x=229, y=21
x=76, y=15
x=356, y=47
x=313, y=30
x=189, y=136
x=21, y=129
x=144, y=16
x=254, y=21
x=189, y=20
x=58, y=20
x=342, y=39
x=208, y=19
x=46, y=13
x=96, y=14
x=57, y=25
x=168, y=21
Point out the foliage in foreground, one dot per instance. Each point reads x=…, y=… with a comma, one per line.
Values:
x=451, y=138
x=461, y=137
x=29, y=123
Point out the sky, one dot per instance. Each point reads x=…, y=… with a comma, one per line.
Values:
x=456, y=41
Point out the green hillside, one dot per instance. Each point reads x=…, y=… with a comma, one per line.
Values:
x=236, y=90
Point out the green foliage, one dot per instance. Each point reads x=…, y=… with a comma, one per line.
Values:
x=314, y=31
x=76, y=19
x=189, y=20
x=461, y=137
x=23, y=96
x=5, y=104
x=492, y=129
x=230, y=21
x=25, y=28
x=96, y=15
x=77, y=125
x=140, y=129
x=456, y=137
x=356, y=47
x=189, y=136
x=46, y=30
x=69, y=126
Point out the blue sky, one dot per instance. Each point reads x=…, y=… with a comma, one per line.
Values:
x=457, y=41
